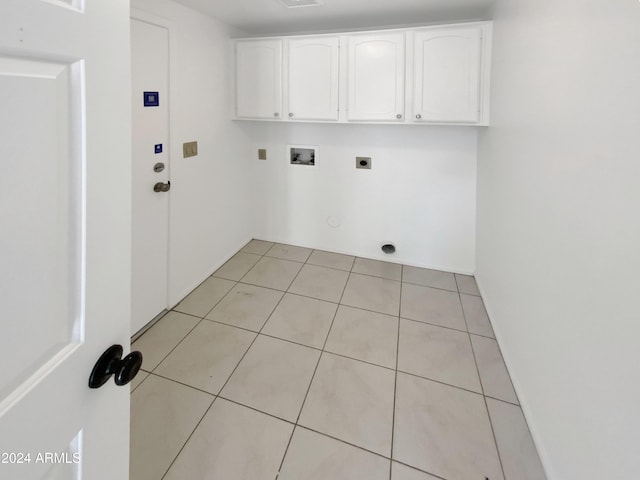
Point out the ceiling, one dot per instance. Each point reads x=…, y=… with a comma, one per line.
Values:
x=266, y=17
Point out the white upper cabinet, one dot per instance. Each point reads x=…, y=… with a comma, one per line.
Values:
x=425, y=75
x=376, y=77
x=313, y=78
x=447, y=75
x=259, y=79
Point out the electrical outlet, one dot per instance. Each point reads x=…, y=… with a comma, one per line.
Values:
x=262, y=154
x=189, y=149
x=363, y=162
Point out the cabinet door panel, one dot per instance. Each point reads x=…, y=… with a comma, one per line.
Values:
x=313, y=79
x=376, y=77
x=259, y=79
x=447, y=75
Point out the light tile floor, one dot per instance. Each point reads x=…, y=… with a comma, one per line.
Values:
x=298, y=364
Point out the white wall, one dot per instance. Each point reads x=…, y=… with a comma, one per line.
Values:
x=419, y=194
x=210, y=204
x=559, y=226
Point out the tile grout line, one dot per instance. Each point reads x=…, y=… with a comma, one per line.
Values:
x=192, y=329
x=484, y=398
x=507, y=369
x=189, y=438
x=322, y=351
x=420, y=470
x=395, y=382
x=440, y=382
x=212, y=403
x=355, y=257
x=175, y=346
x=216, y=396
x=359, y=360
x=221, y=397
x=260, y=333
x=169, y=379
x=444, y=326
x=329, y=301
x=495, y=439
x=143, y=380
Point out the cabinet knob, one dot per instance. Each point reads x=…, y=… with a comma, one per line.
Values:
x=418, y=116
x=276, y=114
x=290, y=115
x=399, y=116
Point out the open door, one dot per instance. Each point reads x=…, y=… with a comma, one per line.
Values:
x=65, y=196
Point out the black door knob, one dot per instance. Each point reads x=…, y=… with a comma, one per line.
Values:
x=112, y=363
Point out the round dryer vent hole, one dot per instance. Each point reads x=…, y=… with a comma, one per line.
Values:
x=389, y=248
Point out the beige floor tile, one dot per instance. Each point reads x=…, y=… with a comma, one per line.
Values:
x=437, y=353
x=302, y=320
x=352, y=401
x=372, y=293
x=443, y=430
x=138, y=379
x=467, y=284
x=273, y=377
x=331, y=260
x=237, y=266
x=476, y=316
x=432, y=305
x=233, y=443
x=429, y=278
x=159, y=340
x=204, y=298
x=246, y=306
x=320, y=282
x=207, y=356
x=440, y=431
x=272, y=273
x=312, y=456
x=376, y=268
x=402, y=472
x=518, y=453
x=365, y=335
x=289, y=252
x=258, y=247
x=163, y=415
x=493, y=371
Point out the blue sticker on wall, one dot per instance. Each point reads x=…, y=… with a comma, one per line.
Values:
x=158, y=148
x=151, y=99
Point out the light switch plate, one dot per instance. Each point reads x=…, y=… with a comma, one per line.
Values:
x=189, y=149
x=262, y=154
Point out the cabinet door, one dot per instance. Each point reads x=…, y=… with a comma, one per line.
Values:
x=376, y=77
x=447, y=75
x=313, y=78
x=259, y=79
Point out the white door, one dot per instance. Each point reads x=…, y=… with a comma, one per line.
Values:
x=150, y=135
x=312, y=83
x=447, y=75
x=376, y=77
x=259, y=79
x=65, y=157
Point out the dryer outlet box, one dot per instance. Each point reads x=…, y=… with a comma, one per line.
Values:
x=363, y=162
